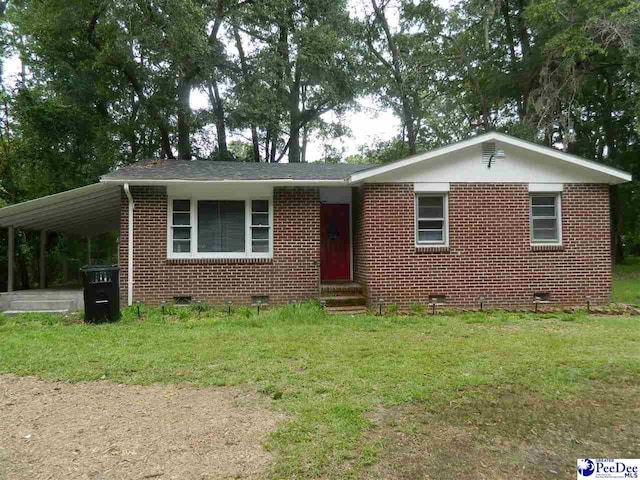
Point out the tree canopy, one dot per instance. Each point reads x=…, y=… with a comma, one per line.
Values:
x=110, y=82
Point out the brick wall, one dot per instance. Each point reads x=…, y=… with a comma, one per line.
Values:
x=291, y=274
x=359, y=239
x=489, y=254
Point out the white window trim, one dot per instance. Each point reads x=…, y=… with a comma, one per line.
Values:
x=558, y=204
x=194, y=229
x=445, y=226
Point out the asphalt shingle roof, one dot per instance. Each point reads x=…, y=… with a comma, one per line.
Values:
x=212, y=170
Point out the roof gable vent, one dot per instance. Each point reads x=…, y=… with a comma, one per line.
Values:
x=490, y=154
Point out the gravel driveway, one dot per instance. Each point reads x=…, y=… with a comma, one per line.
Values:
x=101, y=430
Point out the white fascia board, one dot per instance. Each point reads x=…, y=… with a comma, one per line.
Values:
x=546, y=187
x=275, y=182
x=431, y=187
x=618, y=176
x=373, y=172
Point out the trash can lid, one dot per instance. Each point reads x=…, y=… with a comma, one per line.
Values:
x=99, y=268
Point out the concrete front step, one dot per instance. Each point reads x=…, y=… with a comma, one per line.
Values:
x=344, y=300
x=12, y=313
x=334, y=289
x=42, y=300
x=40, y=305
x=349, y=310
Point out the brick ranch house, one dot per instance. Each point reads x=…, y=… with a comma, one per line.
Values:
x=491, y=217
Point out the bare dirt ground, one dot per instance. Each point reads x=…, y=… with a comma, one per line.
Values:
x=101, y=430
x=506, y=434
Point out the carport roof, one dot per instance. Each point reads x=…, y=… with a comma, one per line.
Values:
x=85, y=211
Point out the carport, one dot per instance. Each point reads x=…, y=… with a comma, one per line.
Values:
x=82, y=212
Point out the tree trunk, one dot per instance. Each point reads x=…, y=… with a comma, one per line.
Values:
x=512, y=53
x=132, y=78
x=246, y=75
x=267, y=145
x=274, y=145
x=218, y=111
x=396, y=70
x=305, y=142
x=294, y=119
x=617, y=207
x=184, y=119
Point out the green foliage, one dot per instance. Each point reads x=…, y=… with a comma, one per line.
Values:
x=417, y=309
x=626, y=281
x=110, y=83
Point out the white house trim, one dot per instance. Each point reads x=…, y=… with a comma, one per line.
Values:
x=558, y=204
x=546, y=187
x=428, y=187
x=284, y=182
x=617, y=176
x=127, y=191
x=194, y=253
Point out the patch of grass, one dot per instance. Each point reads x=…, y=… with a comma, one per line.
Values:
x=626, y=281
x=330, y=374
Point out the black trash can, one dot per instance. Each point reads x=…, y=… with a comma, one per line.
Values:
x=101, y=285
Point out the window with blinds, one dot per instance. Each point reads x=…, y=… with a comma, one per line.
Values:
x=220, y=228
x=545, y=218
x=431, y=219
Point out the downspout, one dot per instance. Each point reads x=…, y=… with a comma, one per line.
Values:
x=129, y=247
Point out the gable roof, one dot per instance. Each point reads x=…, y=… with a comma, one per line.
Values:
x=213, y=171
x=206, y=171
x=617, y=176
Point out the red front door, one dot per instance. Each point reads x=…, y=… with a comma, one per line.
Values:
x=335, y=246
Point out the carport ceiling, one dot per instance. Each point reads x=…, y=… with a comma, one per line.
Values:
x=85, y=211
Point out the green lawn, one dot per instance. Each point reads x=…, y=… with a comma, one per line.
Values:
x=491, y=395
x=626, y=281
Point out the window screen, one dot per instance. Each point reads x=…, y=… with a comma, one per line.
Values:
x=544, y=219
x=430, y=219
x=260, y=226
x=221, y=226
x=181, y=224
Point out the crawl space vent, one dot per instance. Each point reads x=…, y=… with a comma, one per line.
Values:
x=182, y=301
x=542, y=297
x=437, y=299
x=261, y=299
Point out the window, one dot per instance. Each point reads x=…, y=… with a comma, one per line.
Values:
x=259, y=226
x=431, y=219
x=545, y=219
x=220, y=228
x=181, y=221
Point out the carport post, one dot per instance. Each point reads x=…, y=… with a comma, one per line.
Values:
x=43, y=259
x=88, y=250
x=11, y=236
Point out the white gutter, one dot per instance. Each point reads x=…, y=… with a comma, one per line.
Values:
x=129, y=247
x=276, y=183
